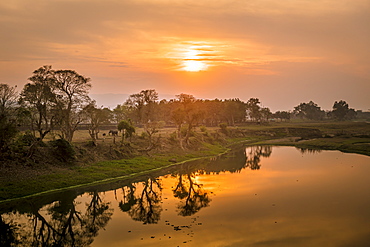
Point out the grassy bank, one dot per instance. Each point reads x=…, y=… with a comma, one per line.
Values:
x=110, y=160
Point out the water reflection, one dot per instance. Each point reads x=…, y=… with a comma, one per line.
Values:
x=309, y=150
x=143, y=205
x=66, y=222
x=57, y=224
x=191, y=194
x=216, y=189
x=254, y=154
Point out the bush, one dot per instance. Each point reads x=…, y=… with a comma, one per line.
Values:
x=203, y=128
x=223, y=127
x=27, y=139
x=63, y=150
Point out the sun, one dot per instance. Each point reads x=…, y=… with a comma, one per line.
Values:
x=194, y=66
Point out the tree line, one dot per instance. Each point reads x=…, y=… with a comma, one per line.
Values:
x=58, y=100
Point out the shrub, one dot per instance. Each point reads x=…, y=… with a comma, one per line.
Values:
x=223, y=127
x=63, y=150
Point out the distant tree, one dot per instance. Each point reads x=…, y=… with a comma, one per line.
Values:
x=120, y=113
x=95, y=118
x=341, y=111
x=256, y=112
x=71, y=95
x=265, y=114
x=282, y=115
x=191, y=114
x=309, y=110
x=142, y=106
x=234, y=110
x=127, y=129
x=152, y=128
x=253, y=109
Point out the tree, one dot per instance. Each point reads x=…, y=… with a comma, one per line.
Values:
x=253, y=109
x=95, y=117
x=186, y=111
x=120, y=113
x=142, y=105
x=282, y=115
x=341, y=111
x=40, y=99
x=127, y=129
x=8, y=120
x=71, y=94
x=309, y=110
x=256, y=112
x=234, y=110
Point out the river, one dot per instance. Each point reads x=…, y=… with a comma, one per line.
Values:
x=257, y=196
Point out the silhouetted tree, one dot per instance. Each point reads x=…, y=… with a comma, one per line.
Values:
x=141, y=106
x=253, y=109
x=8, y=115
x=309, y=110
x=127, y=129
x=72, y=94
x=39, y=98
x=95, y=118
x=341, y=111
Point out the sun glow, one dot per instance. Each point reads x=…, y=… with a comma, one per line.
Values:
x=194, y=66
x=193, y=56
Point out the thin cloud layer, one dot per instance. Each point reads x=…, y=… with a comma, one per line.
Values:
x=260, y=47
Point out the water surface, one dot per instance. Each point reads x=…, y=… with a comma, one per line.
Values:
x=260, y=196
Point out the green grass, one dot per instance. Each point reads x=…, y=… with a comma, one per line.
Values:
x=79, y=175
x=344, y=136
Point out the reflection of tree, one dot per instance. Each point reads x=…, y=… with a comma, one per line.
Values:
x=308, y=150
x=8, y=233
x=191, y=194
x=253, y=156
x=129, y=198
x=63, y=225
x=97, y=216
x=146, y=206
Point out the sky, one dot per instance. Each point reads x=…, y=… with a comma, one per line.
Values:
x=282, y=52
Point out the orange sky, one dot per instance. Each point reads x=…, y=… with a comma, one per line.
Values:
x=282, y=52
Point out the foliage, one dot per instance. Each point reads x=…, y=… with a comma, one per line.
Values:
x=223, y=127
x=141, y=106
x=63, y=150
x=309, y=110
x=127, y=127
x=72, y=93
x=39, y=98
x=8, y=115
x=203, y=128
x=341, y=111
x=95, y=117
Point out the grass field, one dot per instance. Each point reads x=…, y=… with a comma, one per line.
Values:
x=93, y=166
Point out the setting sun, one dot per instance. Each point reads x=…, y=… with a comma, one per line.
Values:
x=194, y=66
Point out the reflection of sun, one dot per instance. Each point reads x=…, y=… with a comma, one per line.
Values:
x=194, y=66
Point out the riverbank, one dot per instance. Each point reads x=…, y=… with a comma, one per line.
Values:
x=93, y=165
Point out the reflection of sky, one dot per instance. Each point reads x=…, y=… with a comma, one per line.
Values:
x=293, y=200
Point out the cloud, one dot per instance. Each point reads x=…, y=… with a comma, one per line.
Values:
x=129, y=40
